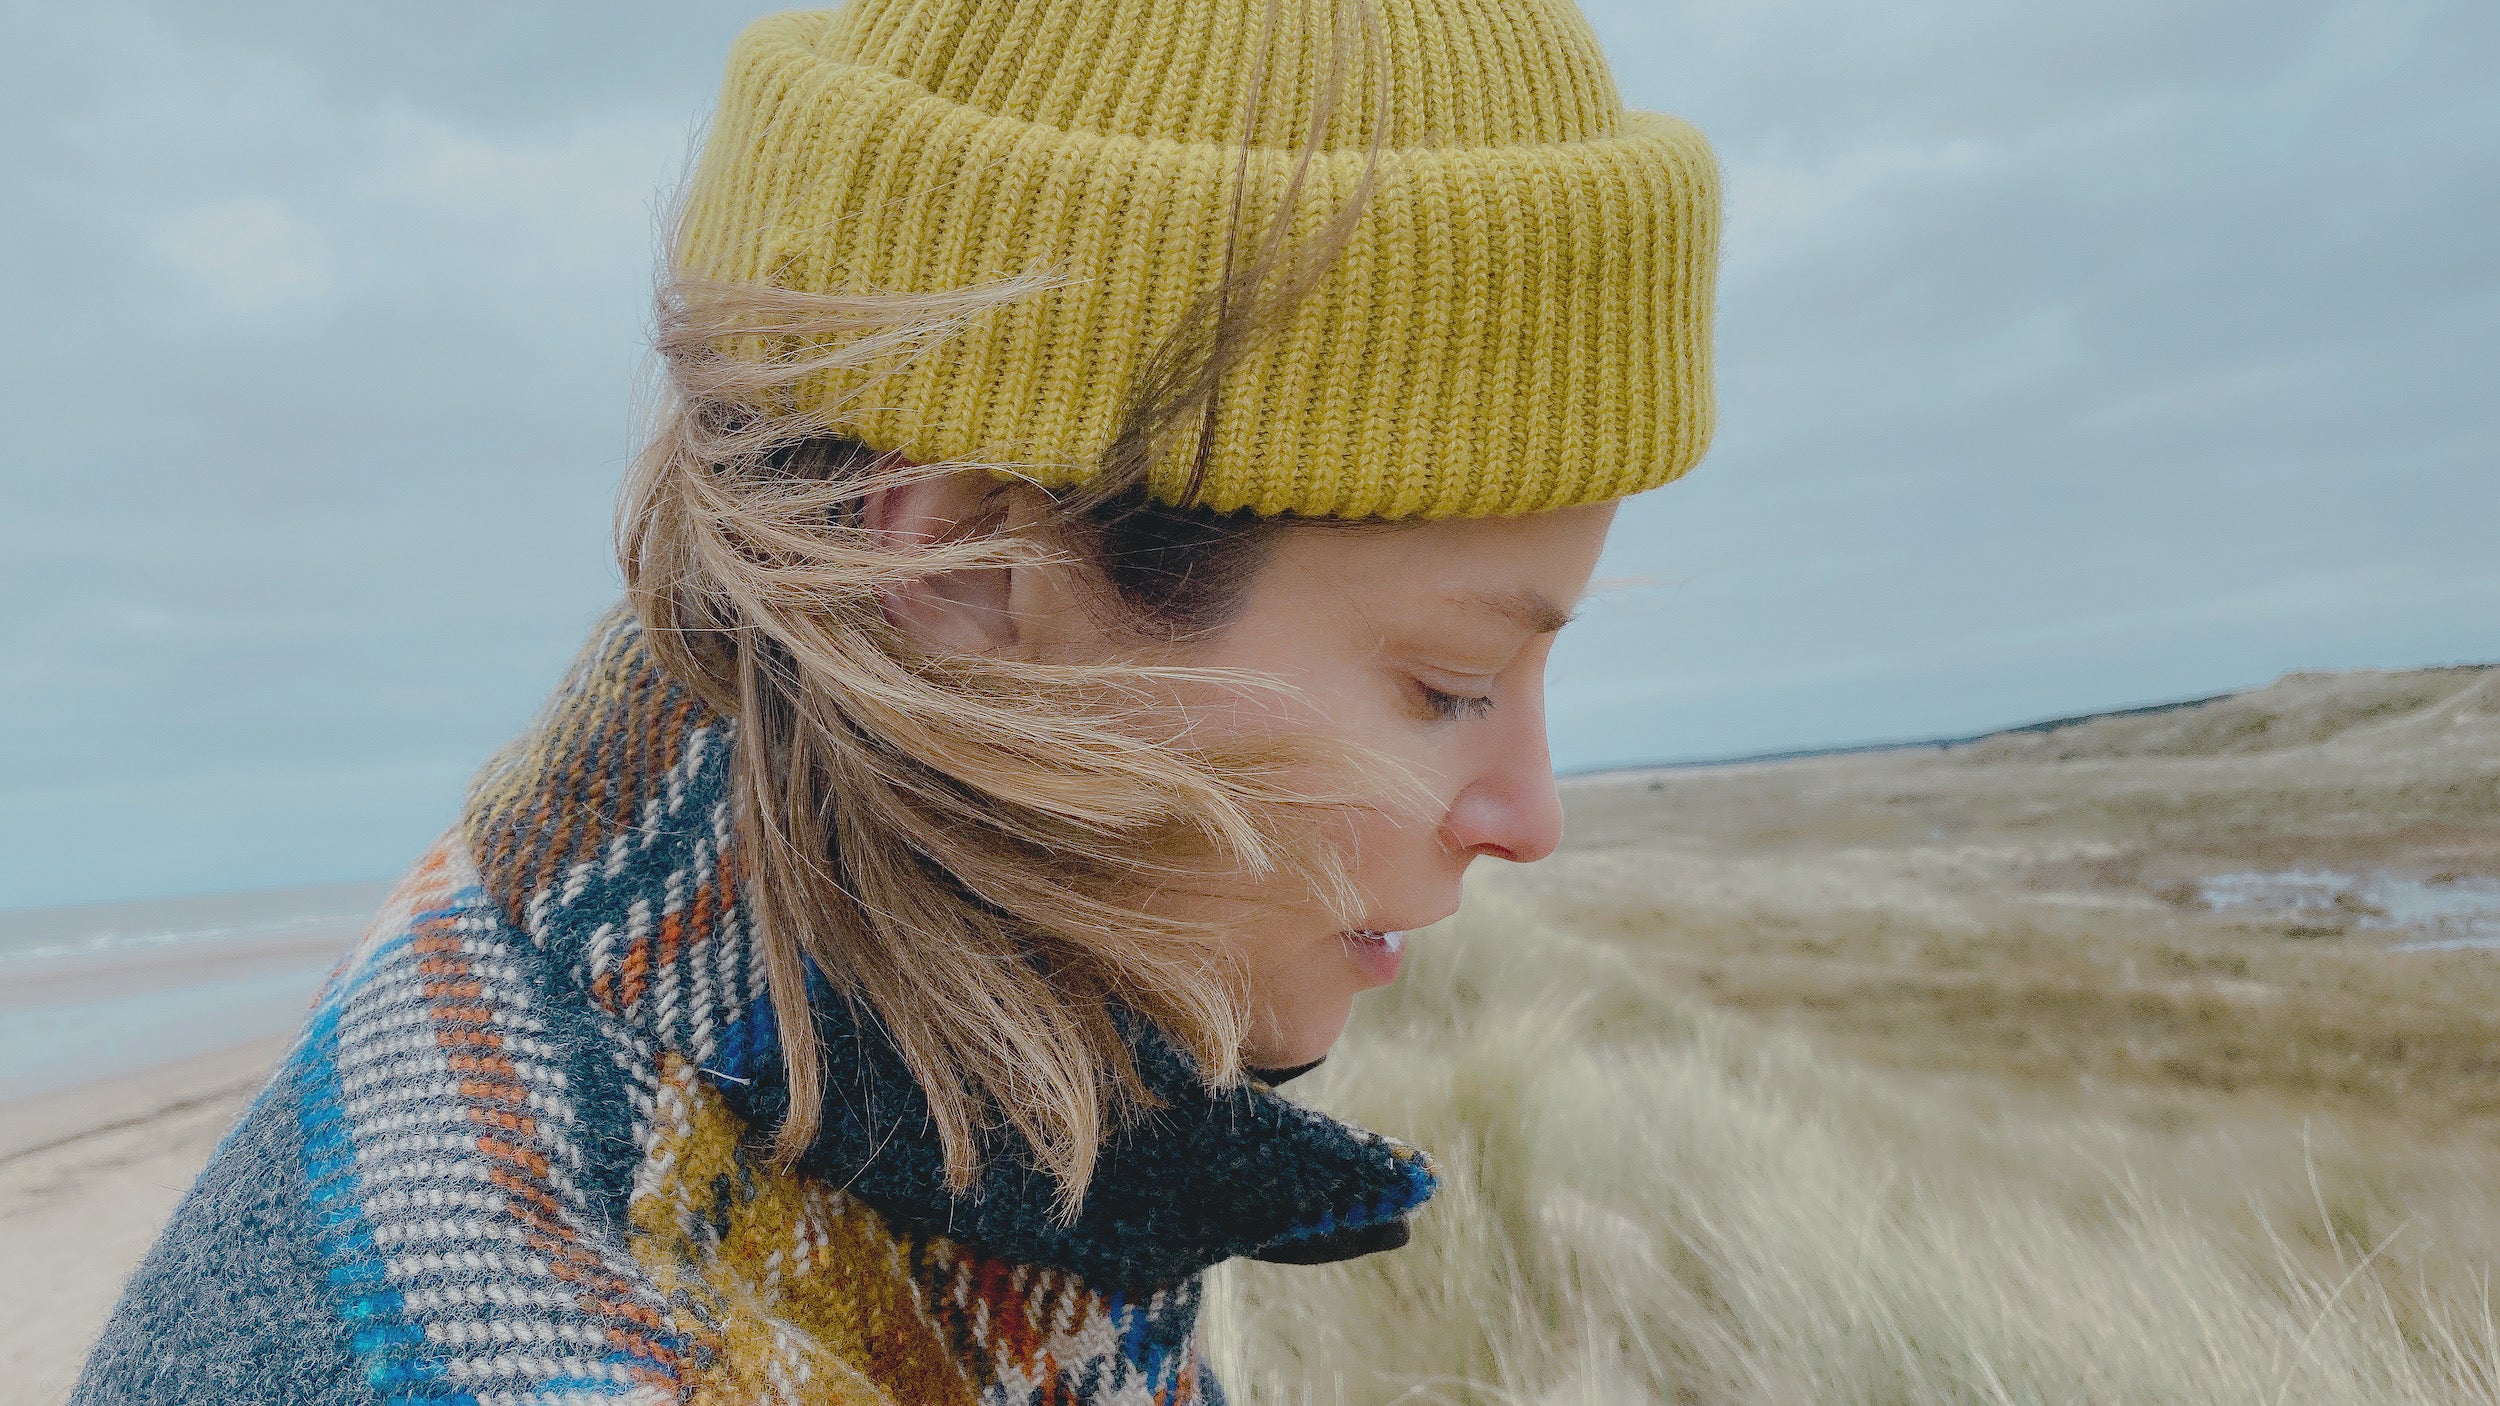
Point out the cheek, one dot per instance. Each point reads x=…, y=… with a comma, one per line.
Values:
x=1391, y=843
x=1383, y=850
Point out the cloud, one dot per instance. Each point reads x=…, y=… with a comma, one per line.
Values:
x=249, y=258
x=2070, y=356
x=1784, y=209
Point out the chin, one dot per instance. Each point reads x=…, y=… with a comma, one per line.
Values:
x=1305, y=1037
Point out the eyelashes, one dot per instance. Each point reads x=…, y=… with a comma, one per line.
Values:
x=1454, y=707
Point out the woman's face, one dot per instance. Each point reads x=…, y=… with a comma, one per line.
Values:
x=1426, y=642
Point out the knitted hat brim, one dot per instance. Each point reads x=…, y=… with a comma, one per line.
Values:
x=1511, y=329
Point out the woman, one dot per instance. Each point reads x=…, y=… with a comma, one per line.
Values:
x=1122, y=468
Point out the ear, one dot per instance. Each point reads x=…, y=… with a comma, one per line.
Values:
x=954, y=612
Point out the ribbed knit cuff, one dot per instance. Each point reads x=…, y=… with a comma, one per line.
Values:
x=1515, y=326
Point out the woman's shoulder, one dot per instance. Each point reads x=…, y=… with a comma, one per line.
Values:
x=434, y=1174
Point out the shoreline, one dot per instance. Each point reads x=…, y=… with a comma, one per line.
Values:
x=57, y=1118
x=119, y=1003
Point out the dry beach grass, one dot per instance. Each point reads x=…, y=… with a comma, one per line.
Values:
x=1649, y=1200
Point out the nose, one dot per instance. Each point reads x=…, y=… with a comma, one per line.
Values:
x=1512, y=810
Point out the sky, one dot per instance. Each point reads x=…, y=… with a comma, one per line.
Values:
x=2071, y=357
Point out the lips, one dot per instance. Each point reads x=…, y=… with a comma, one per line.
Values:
x=1376, y=954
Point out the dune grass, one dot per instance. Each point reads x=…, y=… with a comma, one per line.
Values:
x=1647, y=1199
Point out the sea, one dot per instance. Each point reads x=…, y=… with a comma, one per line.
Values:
x=96, y=991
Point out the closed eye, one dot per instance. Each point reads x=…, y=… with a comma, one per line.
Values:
x=1455, y=706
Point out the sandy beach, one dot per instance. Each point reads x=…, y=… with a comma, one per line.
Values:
x=132, y=1035
x=87, y=1177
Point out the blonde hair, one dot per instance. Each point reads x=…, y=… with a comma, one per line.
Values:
x=960, y=842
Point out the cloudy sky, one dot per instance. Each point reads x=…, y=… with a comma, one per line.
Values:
x=2073, y=356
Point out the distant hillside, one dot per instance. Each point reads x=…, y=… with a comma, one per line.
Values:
x=2304, y=707
x=2397, y=706
x=2361, y=769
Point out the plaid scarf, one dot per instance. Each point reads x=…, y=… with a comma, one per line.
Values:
x=510, y=1158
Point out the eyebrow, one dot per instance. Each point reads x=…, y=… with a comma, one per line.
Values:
x=1528, y=608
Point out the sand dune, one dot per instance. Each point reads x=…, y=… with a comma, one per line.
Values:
x=2041, y=907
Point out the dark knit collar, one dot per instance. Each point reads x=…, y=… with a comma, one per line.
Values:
x=1207, y=1176
x=605, y=835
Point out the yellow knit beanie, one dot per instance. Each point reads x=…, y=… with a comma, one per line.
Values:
x=1522, y=320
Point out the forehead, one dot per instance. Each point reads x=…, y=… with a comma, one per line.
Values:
x=1526, y=570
